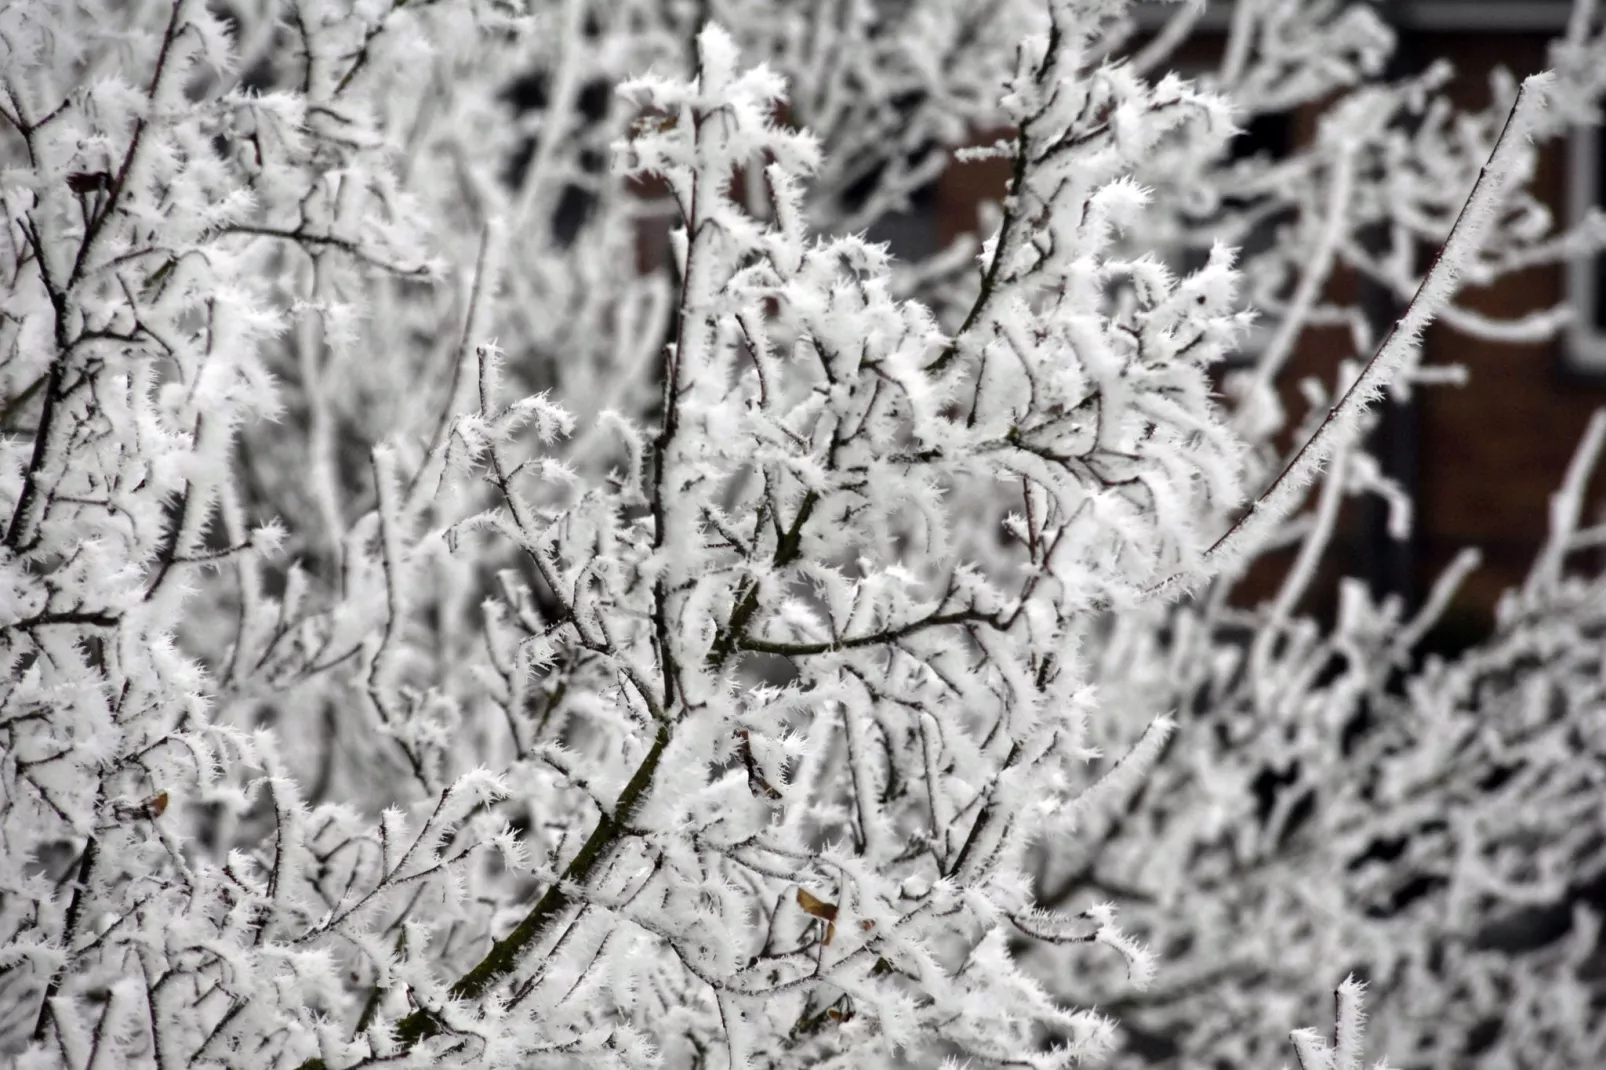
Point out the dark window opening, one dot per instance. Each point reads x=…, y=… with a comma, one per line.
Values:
x=1265, y=138
x=911, y=234
x=574, y=202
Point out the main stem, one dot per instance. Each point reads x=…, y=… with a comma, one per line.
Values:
x=506, y=953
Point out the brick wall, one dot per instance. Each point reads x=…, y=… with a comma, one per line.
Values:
x=1482, y=460
x=1495, y=450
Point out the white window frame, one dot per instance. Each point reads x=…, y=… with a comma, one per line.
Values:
x=1585, y=351
x=1493, y=15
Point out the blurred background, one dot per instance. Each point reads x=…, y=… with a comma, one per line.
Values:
x=1480, y=460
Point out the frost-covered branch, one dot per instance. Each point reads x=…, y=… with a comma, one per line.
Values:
x=498, y=569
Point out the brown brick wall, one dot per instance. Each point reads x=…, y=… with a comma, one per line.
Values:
x=1484, y=458
x=1495, y=450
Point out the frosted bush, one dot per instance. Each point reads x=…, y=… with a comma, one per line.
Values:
x=437, y=632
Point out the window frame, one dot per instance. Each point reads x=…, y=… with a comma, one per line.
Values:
x=1584, y=350
x=1492, y=15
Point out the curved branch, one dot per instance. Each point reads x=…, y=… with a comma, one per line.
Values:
x=1402, y=341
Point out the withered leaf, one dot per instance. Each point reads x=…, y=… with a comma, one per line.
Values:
x=146, y=810
x=819, y=908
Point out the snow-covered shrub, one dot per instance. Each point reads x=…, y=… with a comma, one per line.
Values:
x=439, y=631
x=1330, y=801
x=1434, y=826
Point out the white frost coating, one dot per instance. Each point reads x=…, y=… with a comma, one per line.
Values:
x=1349, y=1027
x=1128, y=771
x=696, y=648
x=537, y=788
x=1567, y=506
x=1280, y=346
x=1508, y=163
x=1346, y=1051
